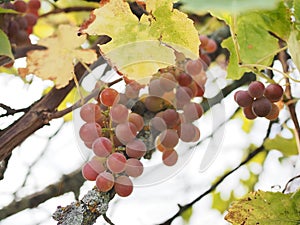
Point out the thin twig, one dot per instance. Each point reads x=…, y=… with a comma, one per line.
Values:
x=67, y=10
x=288, y=183
x=10, y=111
x=107, y=219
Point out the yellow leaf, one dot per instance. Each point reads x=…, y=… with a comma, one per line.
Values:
x=136, y=47
x=57, y=62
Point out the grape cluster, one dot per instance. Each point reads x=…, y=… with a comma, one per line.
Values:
x=19, y=26
x=116, y=125
x=259, y=101
x=206, y=47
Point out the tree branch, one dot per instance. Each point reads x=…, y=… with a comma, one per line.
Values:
x=10, y=111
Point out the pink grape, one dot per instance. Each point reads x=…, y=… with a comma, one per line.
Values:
x=137, y=120
x=102, y=147
x=155, y=88
x=171, y=117
x=90, y=112
x=273, y=92
x=184, y=95
x=158, y=123
x=187, y=132
x=192, y=111
x=126, y=132
x=132, y=90
x=261, y=107
x=184, y=79
x=170, y=157
x=118, y=113
x=256, y=89
x=274, y=112
x=116, y=162
x=193, y=67
x=105, y=181
x=136, y=148
x=167, y=82
x=20, y=6
x=204, y=40
x=211, y=46
x=248, y=113
x=169, y=138
x=154, y=104
x=109, y=97
x=89, y=132
x=88, y=172
x=134, y=167
x=123, y=186
x=243, y=98
x=97, y=163
x=31, y=19
x=34, y=4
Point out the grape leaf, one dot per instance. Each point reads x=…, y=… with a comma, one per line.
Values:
x=287, y=147
x=136, y=49
x=233, y=6
x=5, y=48
x=296, y=8
x=265, y=208
x=294, y=47
x=187, y=214
x=57, y=62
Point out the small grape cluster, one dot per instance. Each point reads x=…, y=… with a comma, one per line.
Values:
x=19, y=26
x=206, y=47
x=116, y=127
x=259, y=101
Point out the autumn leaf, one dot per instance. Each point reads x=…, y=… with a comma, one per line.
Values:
x=136, y=47
x=57, y=62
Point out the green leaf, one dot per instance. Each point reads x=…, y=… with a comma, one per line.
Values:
x=2, y=10
x=287, y=147
x=187, y=214
x=221, y=204
x=5, y=48
x=294, y=47
x=135, y=43
x=265, y=208
x=297, y=13
x=233, y=6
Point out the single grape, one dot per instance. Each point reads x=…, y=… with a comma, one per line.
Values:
x=89, y=132
x=211, y=46
x=256, y=89
x=137, y=120
x=206, y=59
x=193, y=67
x=132, y=90
x=102, y=147
x=187, y=132
x=105, y=181
x=197, y=134
x=192, y=111
x=109, y=97
x=261, y=107
x=170, y=157
x=136, y=148
x=90, y=112
x=118, y=113
x=154, y=104
x=34, y=4
x=243, y=98
x=22, y=22
x=273, y=92
x=249, y=113
x=184, y=79
x=20, y=6
x=171, y=117
x=88, y=172
x=116, y=162
x=123, y=186
x=22, y=38
x=204, y=40
x=126, y=132
x=155, y=88
x=134, y=167
x=98, y=164
x=169, y=138
x=167, y=82
x=159, y=146
x=158, y=124
x=273, y=115
x=31, y=19
x=184, y=95
x=13, y=27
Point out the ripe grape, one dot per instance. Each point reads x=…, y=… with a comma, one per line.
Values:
x=118, y=113
x=187, y=132
x=88, y=172
x=211, y=46
x=137, y=120
x=261, y=107
x=20, y=6
x=192, y=111
x=171, y=117
x=273, y=92
x=204, y=40
x=169, y=138
x=34, y=4
x=184, y=79
x=155, y=89
x=184, y=95
x=97, y=163
x=90, y=112
x=154, y=103
x=31, y=19
x=249, y=113
x=116, y=162
x=193, y=67
x=136, y=148
x=105, y=181
x=89, y=132
x=243, y=98
x=170, y=157
x=22, y=22
x=134, y=167
x=102, y=147
x=158, y=124
x=123, y=186
x=109, y=97
x=274, y=112
x=167, y=82
x=132, y=90
x=256, y=89
x=126, y=132
x=21, y=37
